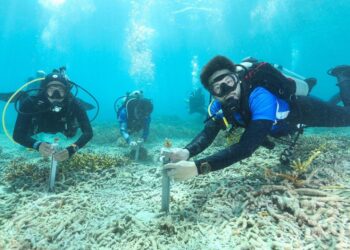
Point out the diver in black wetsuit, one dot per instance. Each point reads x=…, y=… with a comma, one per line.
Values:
x=262, y=112
x=33, y=88
x=196, y=102
x=342, y=73
x=54, y=109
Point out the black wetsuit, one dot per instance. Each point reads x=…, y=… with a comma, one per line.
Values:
x=305, y=110
x=67, y=121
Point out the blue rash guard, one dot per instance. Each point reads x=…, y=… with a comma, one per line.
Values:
x=267, y=115
x=263, y=106
x=124, y=128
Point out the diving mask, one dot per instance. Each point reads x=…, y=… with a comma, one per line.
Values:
x=223, y=84
x=56, y=91
x=56, y=94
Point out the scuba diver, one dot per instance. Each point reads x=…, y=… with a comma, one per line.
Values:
x=32, y=89
x=262, y=100
x=342, y=73
x=134, y=115
x=53, y=109
x=196, y=102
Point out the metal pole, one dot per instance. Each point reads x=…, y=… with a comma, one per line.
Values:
x=165, y=183
x=54, y=166
x=165, y=192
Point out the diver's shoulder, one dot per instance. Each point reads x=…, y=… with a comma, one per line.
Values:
x=261, y=92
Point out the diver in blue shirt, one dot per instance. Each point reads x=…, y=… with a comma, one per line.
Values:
x=135, y=116
x=242, y=103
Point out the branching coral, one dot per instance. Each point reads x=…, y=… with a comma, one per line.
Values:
x=93, y=162
x=18, y=172
x=299, y=168
x=21, y=174
x=290, y=177
x=302, y=167
x=168, y=143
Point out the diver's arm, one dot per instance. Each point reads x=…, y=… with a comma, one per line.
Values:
x=21, y=133
x=86, y=130
x=251, y=139
x=145, y=131
x=23, y=130
x=204, y=138
x=123, y=125
x=124, y=131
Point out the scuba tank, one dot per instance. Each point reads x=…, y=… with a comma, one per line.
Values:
x=121, y=101
x=302, y=87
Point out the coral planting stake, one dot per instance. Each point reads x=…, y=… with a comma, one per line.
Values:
x=53, y=169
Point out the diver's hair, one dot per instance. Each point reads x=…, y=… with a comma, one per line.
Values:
x=215, y=64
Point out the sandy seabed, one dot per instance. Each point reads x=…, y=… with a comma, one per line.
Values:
x=254, y=204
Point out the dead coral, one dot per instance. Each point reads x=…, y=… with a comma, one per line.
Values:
x=236, y=208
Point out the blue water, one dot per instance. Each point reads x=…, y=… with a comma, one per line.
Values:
x=114, y=46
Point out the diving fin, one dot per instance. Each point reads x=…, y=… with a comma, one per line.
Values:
x=87, y=106
x=311, y=82
x=342, y=73
x=6, y=96
x=339, y=70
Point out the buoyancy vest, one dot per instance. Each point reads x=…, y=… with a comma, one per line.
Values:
x=267, y=76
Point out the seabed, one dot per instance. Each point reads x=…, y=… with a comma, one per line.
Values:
x=112, y=202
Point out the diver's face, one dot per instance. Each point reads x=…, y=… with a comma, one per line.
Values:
x=56, y=92
x=226, y=88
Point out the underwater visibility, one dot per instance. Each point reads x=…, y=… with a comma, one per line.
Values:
x=202, y=124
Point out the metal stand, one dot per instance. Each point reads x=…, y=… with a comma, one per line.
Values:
x=53, y=172
x=165, y=183
x=54, y=166
x=165, y=192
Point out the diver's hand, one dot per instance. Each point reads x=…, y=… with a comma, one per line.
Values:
x=182, y=170
x=45, y=149
x=61, y=155
x=176, y=154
